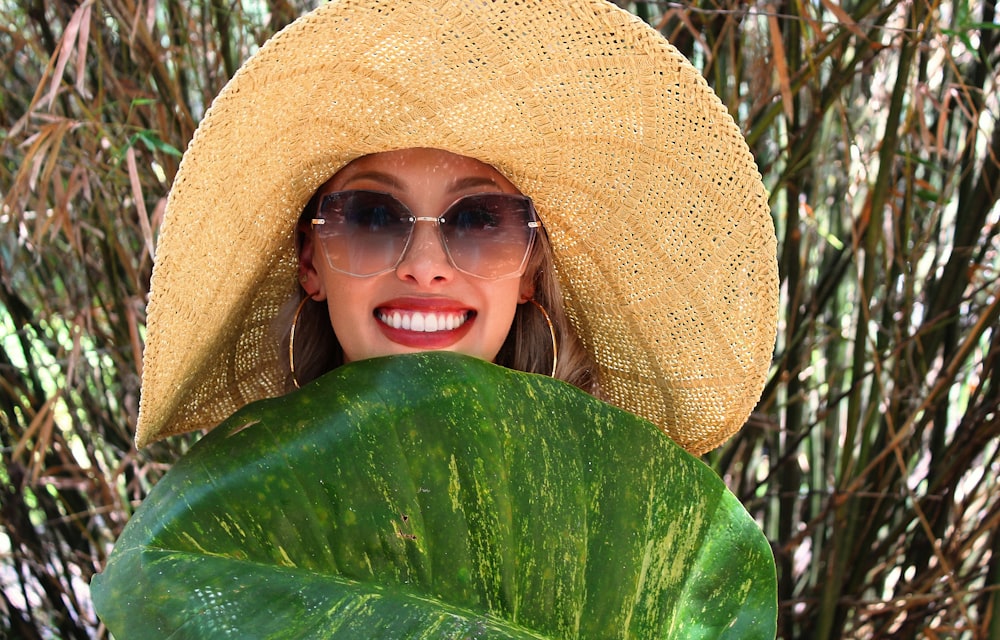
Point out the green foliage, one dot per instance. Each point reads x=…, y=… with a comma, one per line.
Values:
x=872, y=461
x=431, y=495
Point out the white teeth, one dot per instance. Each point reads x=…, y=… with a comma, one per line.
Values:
x=426, y=322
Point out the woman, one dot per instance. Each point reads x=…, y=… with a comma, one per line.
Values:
x=544, y=184
x=662, y=244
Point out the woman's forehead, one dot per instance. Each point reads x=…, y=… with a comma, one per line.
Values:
x=418, y=168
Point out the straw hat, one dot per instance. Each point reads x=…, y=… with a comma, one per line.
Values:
x=664, y=244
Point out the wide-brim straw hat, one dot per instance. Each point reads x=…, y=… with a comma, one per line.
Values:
x=662, y=235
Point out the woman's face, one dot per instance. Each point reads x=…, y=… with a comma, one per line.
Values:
x=425, y=303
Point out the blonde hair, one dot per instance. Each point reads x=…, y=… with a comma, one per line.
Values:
x=528, y=346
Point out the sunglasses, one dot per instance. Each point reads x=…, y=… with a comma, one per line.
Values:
x=366, y=233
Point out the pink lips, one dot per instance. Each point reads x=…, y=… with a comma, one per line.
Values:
x=424, y=323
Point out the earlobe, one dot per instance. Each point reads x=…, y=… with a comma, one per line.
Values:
x=527, y=291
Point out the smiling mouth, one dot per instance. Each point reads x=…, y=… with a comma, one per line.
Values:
x=423, y=321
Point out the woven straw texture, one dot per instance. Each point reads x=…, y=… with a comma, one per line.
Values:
x=663, y=238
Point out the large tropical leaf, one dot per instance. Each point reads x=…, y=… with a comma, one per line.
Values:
x=438, y=496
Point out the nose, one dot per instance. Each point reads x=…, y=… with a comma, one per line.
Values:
x=425, y=260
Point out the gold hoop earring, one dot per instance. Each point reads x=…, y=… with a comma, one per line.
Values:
x=552, y=333
x=291, y=340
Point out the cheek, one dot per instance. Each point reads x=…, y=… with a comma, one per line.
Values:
x=504, y=302
x=349, y=309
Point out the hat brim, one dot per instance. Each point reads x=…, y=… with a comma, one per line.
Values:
x=658, y=218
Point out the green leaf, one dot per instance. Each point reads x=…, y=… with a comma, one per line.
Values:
x=438, y=496
x=153, y=142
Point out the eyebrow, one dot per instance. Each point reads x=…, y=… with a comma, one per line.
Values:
x=471, y=182
x=387, y=179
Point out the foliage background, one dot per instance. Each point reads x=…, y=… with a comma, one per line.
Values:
x=872, y=460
